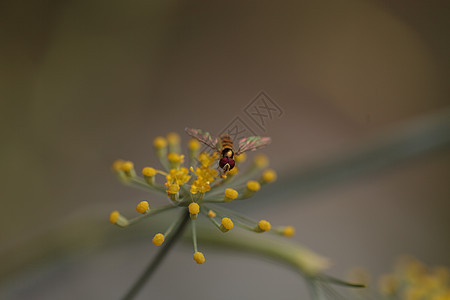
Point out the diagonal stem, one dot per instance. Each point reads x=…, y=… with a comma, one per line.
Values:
x=137, y=286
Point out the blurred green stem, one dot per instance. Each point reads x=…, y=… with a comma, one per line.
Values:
x=157, y=260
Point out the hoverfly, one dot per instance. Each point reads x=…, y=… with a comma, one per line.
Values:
x=224, y=146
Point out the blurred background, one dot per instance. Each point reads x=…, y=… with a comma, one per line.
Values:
x=86, y=82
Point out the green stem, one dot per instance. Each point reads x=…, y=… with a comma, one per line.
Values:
x=137, y=286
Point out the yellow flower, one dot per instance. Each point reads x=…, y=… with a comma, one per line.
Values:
x=194, y=209
x=193, y=145
x=158, y=239
x=149, y=172
x=116, y=218
x=159, y=142
x=261, y=161
x=199, y=257
x=142, y=207
x=289, y=231
x=253, y=186
x=113, y=217
x=230, y=195
x=269, y=176
x=226, y=225
x=263, y=226
x=211, y=214
x=241, y=157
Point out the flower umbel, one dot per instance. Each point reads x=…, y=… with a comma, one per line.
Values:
x=198, y=188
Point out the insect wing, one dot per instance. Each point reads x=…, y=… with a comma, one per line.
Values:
x=203, y=137
x=252, y=143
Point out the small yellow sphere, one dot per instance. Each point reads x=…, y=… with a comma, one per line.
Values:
x=264, y=225
x=253, y=186
x=175, y=158
x=117, y=165
x=148, y=171
x=158, y=239
x=193, y=145
x=289, y=231
x=227, y=223
x=211, y=214
x=142, y=207
x=199, y=258
x=113, y=217
x=173, y=189
x=173, y=138
x=194, y=208
x=127, y=166
x=231, y=194
x=269, y=175
x=159, y=142
x=261, y=161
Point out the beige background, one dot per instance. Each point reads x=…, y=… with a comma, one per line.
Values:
x=85, y=82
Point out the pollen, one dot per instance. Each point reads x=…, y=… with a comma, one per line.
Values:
x=194, y=145
x=264, y=225
x=230, y=195
x=127, y=166
x=194, y=208
x=269, y=176
x=226, y=225
x=253, y=186
x=288, y=231
x=117, y=165
x=173, y=189
x=113, y=217
x=211, y=214
x=149, y=172
x=158, y=239
x=159, y=142
x=142, y=207
x=261, y=161
x=199, y=258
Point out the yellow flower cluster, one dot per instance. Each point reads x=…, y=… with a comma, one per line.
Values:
x=206, y=174
x=413, y=280
x=188, y=189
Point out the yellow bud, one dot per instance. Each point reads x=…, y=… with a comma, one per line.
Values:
x=150, y=172
x=199, y=258
x=253, y=186
x=263, y=226
x=261, y=161
x=173, y=189
x=127, y=166
x=288, y=231
x=193, y=145
x=142, y=207
x=117, y=165
x=269, y=176
x=113, y=217
x=230, y=195
x=175, y=158
x=158, y=239
x=194, y=189
x=226, y=225
x=173, y=138
x=159, y=142
x=211, y=214
x=194, y=209
x=119, y=220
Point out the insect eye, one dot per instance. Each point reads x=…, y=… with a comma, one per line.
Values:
x=231, y=163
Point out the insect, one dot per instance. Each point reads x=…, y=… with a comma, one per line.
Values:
x=224, y=146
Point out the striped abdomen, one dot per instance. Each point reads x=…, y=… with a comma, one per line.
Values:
x=226, y=142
